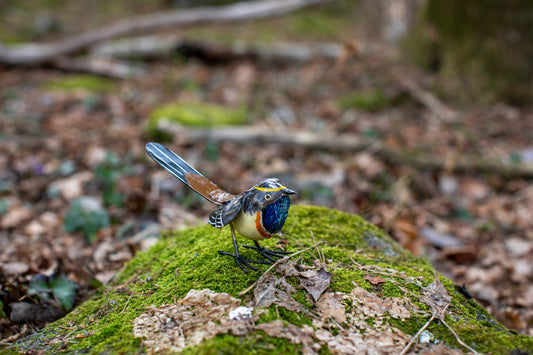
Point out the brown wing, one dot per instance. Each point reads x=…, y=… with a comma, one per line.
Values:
x=207, y=188
x=178, y=167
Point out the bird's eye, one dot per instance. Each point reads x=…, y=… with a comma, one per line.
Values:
x=268, y=196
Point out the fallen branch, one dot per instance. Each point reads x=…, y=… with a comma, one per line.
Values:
x=149, y=47
x=34, y=54
x=342, y=143
x=430, y=101
x=99, y=66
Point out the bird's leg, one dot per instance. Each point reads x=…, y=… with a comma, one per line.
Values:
x=267, y=253
x=241, y=262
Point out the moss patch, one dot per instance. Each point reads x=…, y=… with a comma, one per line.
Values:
x=195, y=114
x=188, y=259
x=90, y=83
x=369, y=100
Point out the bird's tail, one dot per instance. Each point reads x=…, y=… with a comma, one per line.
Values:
x=187, y=174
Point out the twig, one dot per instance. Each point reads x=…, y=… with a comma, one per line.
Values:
x=321, y=256
x=126, y=304
x=415, y=337
x=279, y=261
x=458, y=339
x=34, y=53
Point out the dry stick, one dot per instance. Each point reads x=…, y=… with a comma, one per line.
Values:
x=317, y=248
x=338, y=142
x=34, y=54
x=404, y=351
x=99, y=66
x=441, y=111
x=276, y=263
x=126, y=304
x=459, y=340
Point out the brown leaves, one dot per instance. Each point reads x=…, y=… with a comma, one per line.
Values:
x=200, y=315
x=294, y=334
x=273, y=290
x=203, y=314
x=374, y=280
x=375, y=306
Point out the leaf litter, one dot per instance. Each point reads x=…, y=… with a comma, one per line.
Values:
x=345, y=323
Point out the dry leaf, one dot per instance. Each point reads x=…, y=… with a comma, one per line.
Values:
x=436, y=297
x=330, y=306
x=271, y=290
x=200, y=315
x=316, y=282
x=374, y=280
x=293, y=333
x=14, y=268
x=72, y=187
x=16, y=217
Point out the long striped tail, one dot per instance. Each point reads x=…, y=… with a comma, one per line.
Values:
x=178, y=167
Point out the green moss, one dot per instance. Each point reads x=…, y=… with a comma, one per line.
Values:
x=195, y=114
x=369, y=100
x=90, y=83
x=188, y=259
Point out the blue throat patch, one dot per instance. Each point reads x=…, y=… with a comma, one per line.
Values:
x=275, y=214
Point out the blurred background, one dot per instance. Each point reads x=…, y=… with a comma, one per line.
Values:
x=415, y=114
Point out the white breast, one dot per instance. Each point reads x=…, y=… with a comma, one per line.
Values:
x=245, y=225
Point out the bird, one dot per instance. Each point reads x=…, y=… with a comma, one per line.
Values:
x=256, y=214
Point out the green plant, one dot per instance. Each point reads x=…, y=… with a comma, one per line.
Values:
x=107, y=174
x=54, y=288
x=86, y=215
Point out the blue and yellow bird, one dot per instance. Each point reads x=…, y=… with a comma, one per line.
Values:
x=256, y=214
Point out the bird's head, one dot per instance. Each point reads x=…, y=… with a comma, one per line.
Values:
x=268, y=191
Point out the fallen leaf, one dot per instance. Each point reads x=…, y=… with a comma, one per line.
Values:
x=72, y=187
x=14, y=268
x=315, y=282
x=374, y=280
x=293, y=333
x=330, y=306
x=271, y=290
x=15, y=217
x=436, y=297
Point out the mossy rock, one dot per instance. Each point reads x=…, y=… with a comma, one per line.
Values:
x=195, y=114
x=365, y=272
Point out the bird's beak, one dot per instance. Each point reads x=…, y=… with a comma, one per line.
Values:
x=287, y=191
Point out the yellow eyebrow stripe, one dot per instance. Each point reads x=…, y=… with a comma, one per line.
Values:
x=270, y=189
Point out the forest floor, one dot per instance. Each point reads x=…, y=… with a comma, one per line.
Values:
x=65, y=137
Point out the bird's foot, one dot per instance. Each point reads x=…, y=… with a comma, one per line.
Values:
x=267, y=253
x=242, y=262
